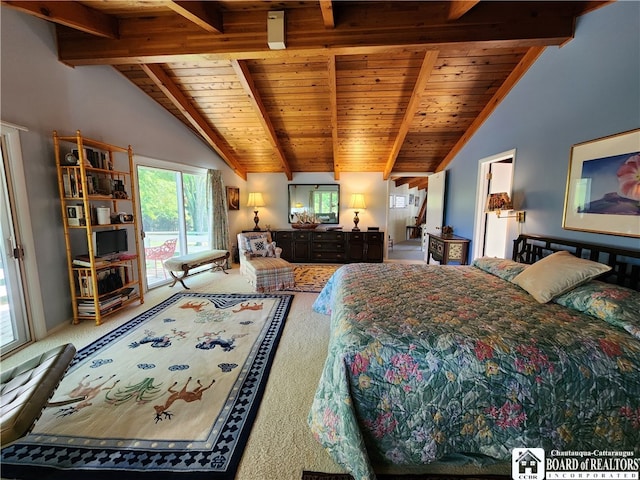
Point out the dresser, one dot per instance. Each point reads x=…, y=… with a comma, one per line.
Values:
x=366, y=247
x=337, y=246
x=328, y=246
x=447, y=248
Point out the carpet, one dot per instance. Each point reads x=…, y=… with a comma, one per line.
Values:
x=311, y=278
x=171, y=394
x=339, y=476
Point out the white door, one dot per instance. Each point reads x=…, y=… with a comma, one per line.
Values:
x=495, y=239
x=491, y=234
x=13, y=317
x=435, y=206
x=17, y=262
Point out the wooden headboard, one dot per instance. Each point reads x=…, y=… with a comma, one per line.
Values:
x=625, y=263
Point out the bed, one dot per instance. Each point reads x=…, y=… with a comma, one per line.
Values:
x=432, y=364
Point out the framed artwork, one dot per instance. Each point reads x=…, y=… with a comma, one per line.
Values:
x=603, y=186
x=233, y=198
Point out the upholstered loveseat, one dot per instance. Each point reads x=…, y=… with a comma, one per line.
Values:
x=260, y=262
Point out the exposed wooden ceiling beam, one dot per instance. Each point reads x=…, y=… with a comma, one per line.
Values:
x=420, y=183
x=366, y=29
x=458, y=8
x=244, y=76
x=410, y=180
x=333, y=105
x=71, y=14
x=173, y=93
x=203, y=14
x=527, y=60
x=414, y=103
x=401, y=181
x=595, y=4
x=326, y=7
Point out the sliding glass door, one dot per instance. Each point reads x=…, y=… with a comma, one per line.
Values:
x=14, y=326
x=175, y=215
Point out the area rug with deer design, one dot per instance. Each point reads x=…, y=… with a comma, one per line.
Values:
x=170, y=394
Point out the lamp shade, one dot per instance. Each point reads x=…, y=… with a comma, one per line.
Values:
x=498, y=201
x=255, y=200
x=357, y=201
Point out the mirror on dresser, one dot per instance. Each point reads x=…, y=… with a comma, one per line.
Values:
x=323, y=200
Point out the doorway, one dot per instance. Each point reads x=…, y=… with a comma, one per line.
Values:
x=21, y=310
x=495, y=174
x=435, y=209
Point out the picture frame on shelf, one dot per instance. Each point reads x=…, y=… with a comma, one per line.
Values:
x=75, y=215
x=603, y=191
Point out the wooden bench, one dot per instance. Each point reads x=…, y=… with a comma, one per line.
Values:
x=184, y=263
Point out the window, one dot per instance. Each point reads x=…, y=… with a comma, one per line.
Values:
x=174, y=214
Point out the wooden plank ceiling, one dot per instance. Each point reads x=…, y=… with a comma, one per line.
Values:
x=389, y=87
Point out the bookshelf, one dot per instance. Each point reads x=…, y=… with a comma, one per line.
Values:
x=98, y=202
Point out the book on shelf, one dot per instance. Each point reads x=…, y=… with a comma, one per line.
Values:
x=85, y=285
x=71, y=185
x=66, y=184
x=108, y=280
x=85, y=261
x=91, y=310
x=92, y=181
x=88, y=307
x=93, y=158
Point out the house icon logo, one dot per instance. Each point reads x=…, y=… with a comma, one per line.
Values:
x=527, y=464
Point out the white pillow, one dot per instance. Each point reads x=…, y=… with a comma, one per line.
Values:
x=557, y=274
x=259, y=246
x=245, y=239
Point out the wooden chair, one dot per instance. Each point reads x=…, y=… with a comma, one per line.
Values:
x=162, y=253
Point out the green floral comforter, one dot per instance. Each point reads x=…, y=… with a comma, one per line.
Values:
x=426, y=361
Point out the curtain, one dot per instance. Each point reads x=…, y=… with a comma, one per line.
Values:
x=219, y=227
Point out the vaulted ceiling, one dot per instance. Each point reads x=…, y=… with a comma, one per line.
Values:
x=394, y=87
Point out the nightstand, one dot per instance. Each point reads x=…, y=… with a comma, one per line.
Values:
x=448, y=248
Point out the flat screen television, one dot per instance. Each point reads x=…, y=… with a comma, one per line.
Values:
x=109, y=242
